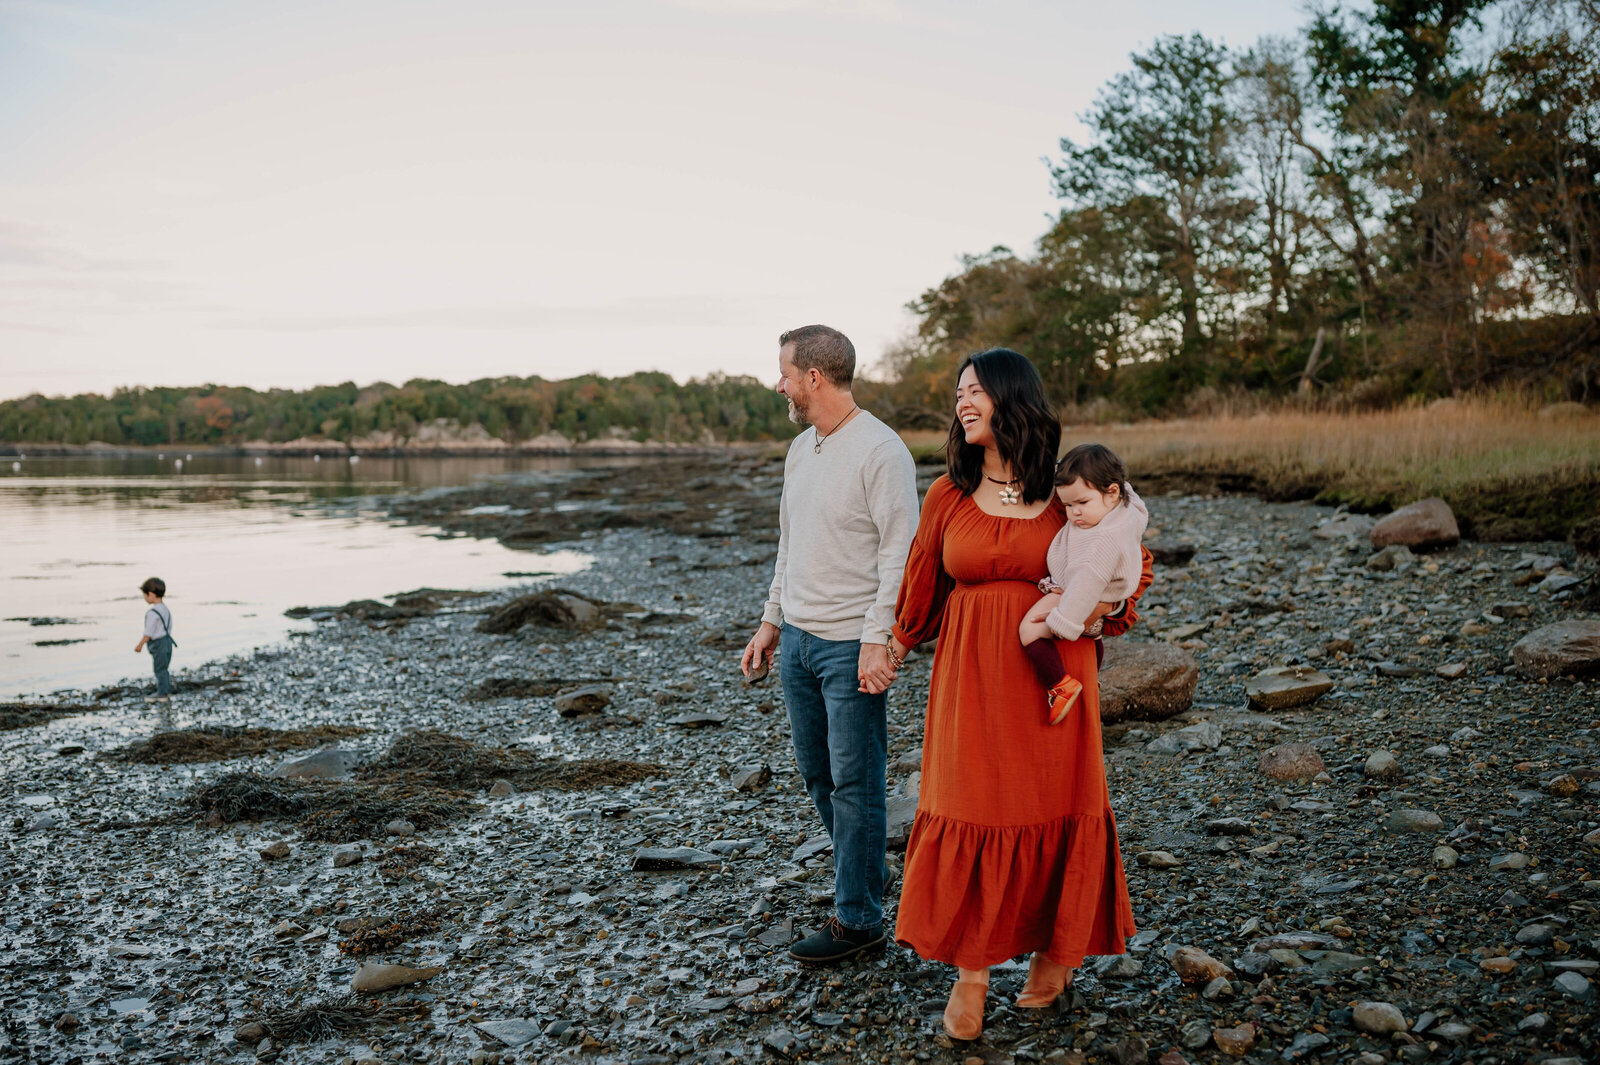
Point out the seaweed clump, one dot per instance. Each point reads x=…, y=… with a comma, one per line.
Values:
x=442, y=760
x=389, y=934
x=217, y=743
x=332, y=812
x=26, y=715
x=333, y=1017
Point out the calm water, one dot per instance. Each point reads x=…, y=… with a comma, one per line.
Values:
x=238, y=541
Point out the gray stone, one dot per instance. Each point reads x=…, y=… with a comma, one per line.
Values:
x=1344, y=526
x=1378, y=1018
x=1393, y=557
x=513, y=1033
x=1506, y=862
x=662, y=859
x=902, y=814
x=751, y=778
x=1445, y=857
x=696, y=720
x=1511, y=610
x=1256, y=965
x=1144, y=680
x=502, y=789
x=1425, y=523
x=345, y=858
x=1195, y=1035
x=1451, y=670
x=1574, y=986
x=1536, y=935
x=1287, y=686
x=1218, y=988
x=403, y=829
x=1534, y=1022
x=1452, y=1031
x=590, y=699
x=332, y=763
x=274, y=851
x=780, y=1041
x=1383, y=765
x=1566, y=648
x=44, y=823
x=1409, y=820
x=1201, y=736
x=812, y=847
x=1229, y=826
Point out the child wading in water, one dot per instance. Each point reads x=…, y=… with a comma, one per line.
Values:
x=1094, y=558
x=158, y=634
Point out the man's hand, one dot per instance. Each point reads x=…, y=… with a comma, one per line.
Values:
x=140, y=645
x=758, y=652
x=873, y=669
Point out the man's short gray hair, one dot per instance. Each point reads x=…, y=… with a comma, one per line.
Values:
x=822, y=348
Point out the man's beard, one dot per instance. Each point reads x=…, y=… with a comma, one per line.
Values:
x=798, y=416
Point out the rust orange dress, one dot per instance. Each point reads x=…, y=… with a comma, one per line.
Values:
x=1014, y=848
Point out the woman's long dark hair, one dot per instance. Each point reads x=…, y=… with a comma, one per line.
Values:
x=1027, y=432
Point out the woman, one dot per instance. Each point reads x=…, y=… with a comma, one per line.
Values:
x=1014, y=849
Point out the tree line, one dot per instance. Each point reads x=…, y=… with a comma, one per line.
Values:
x=1402, y=201
x=643, y=406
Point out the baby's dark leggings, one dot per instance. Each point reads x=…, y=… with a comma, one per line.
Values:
x=1046, y=662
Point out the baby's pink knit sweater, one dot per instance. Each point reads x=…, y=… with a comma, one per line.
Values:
x=1096, y=565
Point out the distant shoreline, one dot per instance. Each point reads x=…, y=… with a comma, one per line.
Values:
x=609, y=448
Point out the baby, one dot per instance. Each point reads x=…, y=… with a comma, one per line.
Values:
x=1094, y=558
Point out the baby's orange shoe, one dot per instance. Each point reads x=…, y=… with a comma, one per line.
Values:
x=1063, y=697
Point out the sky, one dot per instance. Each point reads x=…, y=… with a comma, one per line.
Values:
x=295, y=193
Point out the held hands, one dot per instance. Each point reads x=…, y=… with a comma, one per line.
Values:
x=757, y=656
x=874, y=670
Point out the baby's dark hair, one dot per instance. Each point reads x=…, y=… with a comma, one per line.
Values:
x=1097, y=466
x=155, y=586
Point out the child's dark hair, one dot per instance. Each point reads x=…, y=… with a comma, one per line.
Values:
x=154, y=586
x=1097, y=466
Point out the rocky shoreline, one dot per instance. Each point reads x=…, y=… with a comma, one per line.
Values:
x=1402, y=868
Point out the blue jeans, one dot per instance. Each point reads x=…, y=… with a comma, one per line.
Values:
x=841, y=745
x=161, y=658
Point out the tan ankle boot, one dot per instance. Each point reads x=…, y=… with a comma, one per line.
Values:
x=1046, y=980
x=963, y=1016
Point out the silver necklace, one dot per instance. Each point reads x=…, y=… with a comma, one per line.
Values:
x=817, y=447
x=1008, y=490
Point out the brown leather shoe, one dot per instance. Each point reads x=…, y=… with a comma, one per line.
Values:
x=1046, y=980
x=963, y=1015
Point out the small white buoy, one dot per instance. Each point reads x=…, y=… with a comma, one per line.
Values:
x=316, y=458
x=161, y=454
x=355, y=458
x=258, y=462
x=188, y=457
x=15, y=466
x=177, y=463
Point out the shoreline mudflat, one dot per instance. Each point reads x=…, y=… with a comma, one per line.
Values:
x=146, y=923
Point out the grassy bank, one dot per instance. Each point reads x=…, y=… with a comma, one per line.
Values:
x=1509, y=469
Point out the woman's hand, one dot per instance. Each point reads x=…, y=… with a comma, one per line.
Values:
x=874, y=671
x=1032, y=630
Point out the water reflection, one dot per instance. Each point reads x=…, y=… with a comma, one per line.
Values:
x=238, y=542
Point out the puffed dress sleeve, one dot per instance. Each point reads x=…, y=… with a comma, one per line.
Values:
x=1116, y=626
x=925, y=586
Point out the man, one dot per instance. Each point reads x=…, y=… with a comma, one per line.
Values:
x=848, y=513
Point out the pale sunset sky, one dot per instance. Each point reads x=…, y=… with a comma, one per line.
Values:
x=280, y=193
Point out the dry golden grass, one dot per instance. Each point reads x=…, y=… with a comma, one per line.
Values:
x=1509, y=468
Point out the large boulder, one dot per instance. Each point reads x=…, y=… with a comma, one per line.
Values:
x=1425, y=523
x=1567, y=648
x=1146, y=681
